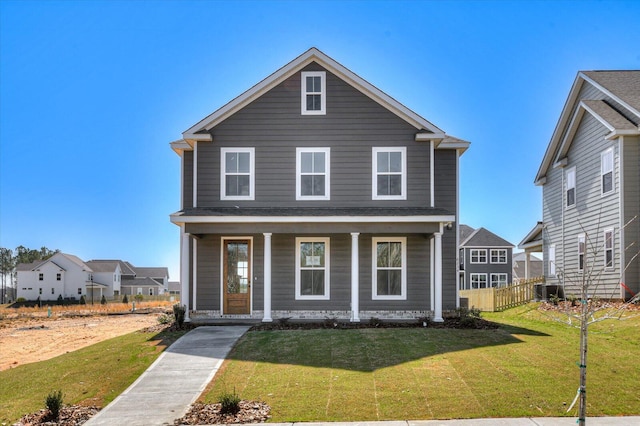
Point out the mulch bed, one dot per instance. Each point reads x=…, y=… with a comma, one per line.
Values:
x=465, y=322
x=72, y=415
x=209, y=414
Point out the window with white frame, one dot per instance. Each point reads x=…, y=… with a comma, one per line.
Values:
x=478, y=255
x=498, y=280
x=312, y=268
x=237, y=178
x=606, y=171
x=498, y=255
x=389, y=173
x=389, y=268
x=608, y=248
x=552, y=260
x=571, y=187
x=313, y=173
x=581, y=249
x=40, y=276
x=478, y=281
x=314, y=93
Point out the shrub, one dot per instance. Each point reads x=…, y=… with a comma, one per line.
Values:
x=125, y=299
x=179, y=312
x=60, y=300
x=103, y=300
x=21, y=299
x=165, y=319
x=53, y=402
x=375, y=322
x=229, y=402
x=83, y=300
x=138, y=297
x=469, y=316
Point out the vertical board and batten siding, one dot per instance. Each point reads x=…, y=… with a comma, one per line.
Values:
x=631, y=168
x=274, y=126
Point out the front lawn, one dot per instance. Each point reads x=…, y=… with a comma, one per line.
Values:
x=527, y=367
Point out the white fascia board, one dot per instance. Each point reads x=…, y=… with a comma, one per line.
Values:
x=460, y=146
x=570, y=133
x=530, y=245
x=197, y=137
x=428, y=137
x=179, y=219
x=297, y=64
x=626, y=132
x=611, y=95
x=180, y=146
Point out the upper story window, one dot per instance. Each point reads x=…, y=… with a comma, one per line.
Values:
x=314, y=93
x=581, y=249
x=58, y=277
x=389, y=268
x=552, y=260
x=237, y=173
x=312, y=268
x=606, y=171
x=498, y=256
x=571, y=187
x=40, y=276
x=478, y=255
x=389, y=173
x=312, y=173
x=608, y=248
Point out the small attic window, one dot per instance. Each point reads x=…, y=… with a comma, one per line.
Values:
x=314, y=93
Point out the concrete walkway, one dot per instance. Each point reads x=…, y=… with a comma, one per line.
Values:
x=174, y=381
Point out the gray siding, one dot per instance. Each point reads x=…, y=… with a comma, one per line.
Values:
x=352, y=125
x=487, y=268
x=187, y=179
x=631, y=169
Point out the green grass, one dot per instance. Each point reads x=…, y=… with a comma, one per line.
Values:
x=525, y=368
x=94, y=375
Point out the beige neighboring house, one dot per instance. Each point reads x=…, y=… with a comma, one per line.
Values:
x=147, y=281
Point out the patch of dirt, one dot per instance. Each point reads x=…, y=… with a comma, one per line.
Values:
x=209, y=414
x=73, y=415
x=575, y=307
x=26, y=340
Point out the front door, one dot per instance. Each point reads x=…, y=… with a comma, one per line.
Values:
x=237, y=276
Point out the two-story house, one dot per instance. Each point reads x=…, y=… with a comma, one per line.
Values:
x=590, y=178
x=485, y=259
x=314, y=194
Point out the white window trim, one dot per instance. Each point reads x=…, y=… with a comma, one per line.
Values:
x=322, y=93
x=479, y=251
x=327, y=267
x=603, y=172
x=472, y=275
x=403, y=269
x=582, y=239
x=403, y=173
x=552, y=260
x=506, y=255
x=499, y=275
x=570, y=171
x=327, y=174
x=604, y=251
x=223, y=174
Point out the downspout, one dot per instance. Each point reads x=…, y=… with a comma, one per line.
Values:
x=622, y=217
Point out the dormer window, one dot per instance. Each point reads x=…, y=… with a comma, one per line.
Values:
x=314, y=93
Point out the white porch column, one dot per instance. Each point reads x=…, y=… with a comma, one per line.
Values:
x=267, y=278
x=355, y=272
x=184, y=273
x=527, y=259
x=437, y=309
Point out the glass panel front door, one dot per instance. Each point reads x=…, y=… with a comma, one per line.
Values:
x=237, y=276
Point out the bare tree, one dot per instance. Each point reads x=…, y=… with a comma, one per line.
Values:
x=588, y=280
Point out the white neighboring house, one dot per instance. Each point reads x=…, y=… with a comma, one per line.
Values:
x=107, y=276
x=61, y=274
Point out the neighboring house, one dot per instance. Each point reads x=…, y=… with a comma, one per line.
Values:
x=69, y=276
x=485, y=259
x=174, y=288
x=313, y=195
x=590, y=178
x=520, y=269
x=62, y=274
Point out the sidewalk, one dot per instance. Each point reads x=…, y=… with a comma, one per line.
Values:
x=174, y=381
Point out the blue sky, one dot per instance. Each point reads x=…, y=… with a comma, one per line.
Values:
x=92, y=92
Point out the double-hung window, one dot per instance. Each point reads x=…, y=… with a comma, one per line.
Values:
x=312, y=268
x=478, y=255
x=40, y=276
x=312, y=173
x=581, y=249
x=478, y=281
x=606, y=171
x=237, y=173
x=389, y=173
x=498, y=280
x=498, y=256
x=608, y=248
x=552, y=260
x=314, y=93
x=389, y=268
x=571, y=187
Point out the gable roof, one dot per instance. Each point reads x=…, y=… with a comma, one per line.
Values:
x=103, y=265
x=482, y=237
x=426, y=129
x=465, y=231
x=39, y=263
x=153, y=272
x=533, y=240
x=621, y=86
